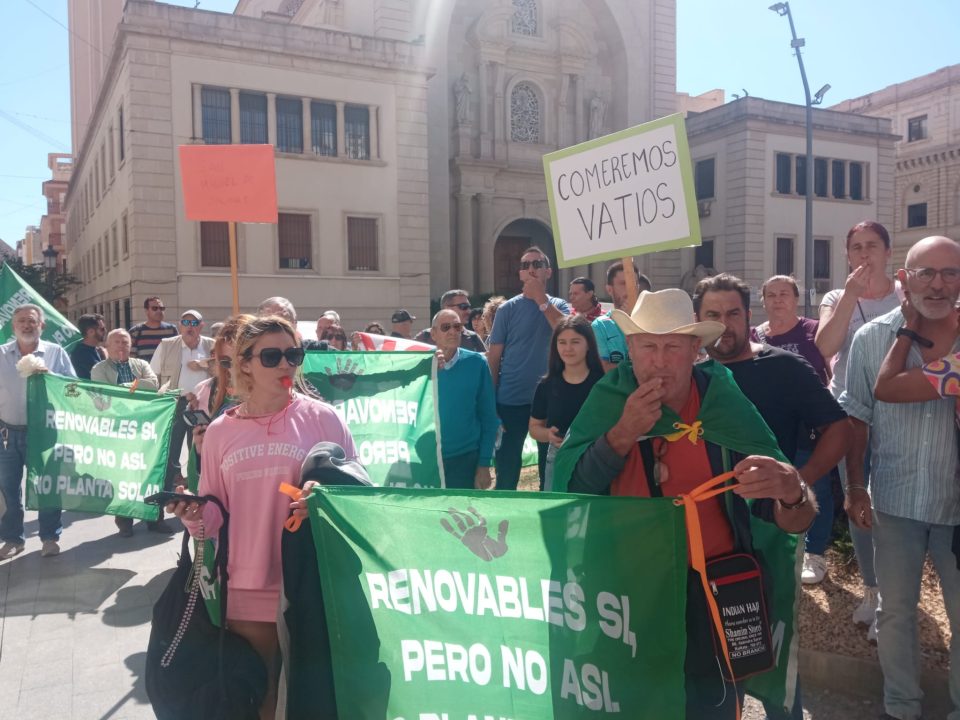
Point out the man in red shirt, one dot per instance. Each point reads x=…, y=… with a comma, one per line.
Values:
x=582, y=297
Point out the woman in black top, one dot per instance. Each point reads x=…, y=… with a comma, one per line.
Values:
x=572, y=370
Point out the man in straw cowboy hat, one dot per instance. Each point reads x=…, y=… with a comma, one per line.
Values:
x=659, y=425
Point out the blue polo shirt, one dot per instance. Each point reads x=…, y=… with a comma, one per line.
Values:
x=525, y=335
x=611, y=342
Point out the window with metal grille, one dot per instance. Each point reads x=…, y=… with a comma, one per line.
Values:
x=917, y=128
x=801, y=175
x=820, y=166
x=214, y=244
x=323, y=119
x=363, y=252
x=293, y=231
x=856, y=181
x=215, y=116
x=253, y=118
x=114, y=243
x=289, y=125
x=839, y=179
x=917, y=215
x=783, y=173
x=124, y=235
x=524, y=114
x=703, y=255
x=703, y=178
x=784, y=256
x=524, y=21
x=126, y=313
x=356, y=126
x=821, y=259
x=120, y=147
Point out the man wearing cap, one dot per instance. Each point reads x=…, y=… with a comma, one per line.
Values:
x=459, y=302
x=583, y=298
x=402, y=324
x=519, y=345
x=184, y=361
x=611, y=343
x=146, y=336
x=624, y=441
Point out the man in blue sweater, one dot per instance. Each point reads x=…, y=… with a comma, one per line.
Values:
x=468, y=407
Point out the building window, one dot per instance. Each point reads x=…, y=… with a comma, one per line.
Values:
x=856, y=181
x=110, y=142
x=126, y=313
x=820, y=166
x=839, y=179
x=801, y=175
x=120, y=147
x=917, y=128
x=214, y=244
x=703, y=178
x=524, y=114
x=703, y=254
x=363, y=252
x=96, y=179
x=524, y=17
x=103, y=167
x=215, y=116
x=253, y=118
x=323, y=130
x=124, y=236
x=289, y=125
x=783, y=173
x=106, y=250
x=821, y=265
x=115, y=244
x=294, y=234
x=356, y=127
x=917, y=215
x=784, y=256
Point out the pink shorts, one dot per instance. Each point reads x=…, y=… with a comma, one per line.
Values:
x=255, y=605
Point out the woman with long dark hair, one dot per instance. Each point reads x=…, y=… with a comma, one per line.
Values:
x=573, y=367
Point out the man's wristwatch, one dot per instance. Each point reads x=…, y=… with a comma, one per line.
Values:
x=799, y=503
x=917, y=338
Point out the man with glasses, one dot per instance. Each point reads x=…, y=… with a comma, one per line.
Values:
x=459, y=302
x=147, y=336
x=519, y=343
x=913, y=504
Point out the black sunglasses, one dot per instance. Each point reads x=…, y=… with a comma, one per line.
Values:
x=270, y=357
x=462, y=306
x=535, y=264
x=225, y=362
x=446, y=327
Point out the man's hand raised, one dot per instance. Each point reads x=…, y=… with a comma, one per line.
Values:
x=640, y=414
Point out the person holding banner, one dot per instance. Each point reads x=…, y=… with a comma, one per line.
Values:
x=468, y=407
x=28, y=323
x=659, y=425
x=248, y=452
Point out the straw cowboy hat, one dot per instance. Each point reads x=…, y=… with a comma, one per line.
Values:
x=666, y=312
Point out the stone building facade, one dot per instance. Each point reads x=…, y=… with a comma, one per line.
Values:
x=925, y=113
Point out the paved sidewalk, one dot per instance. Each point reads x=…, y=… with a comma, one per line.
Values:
x=74, y=628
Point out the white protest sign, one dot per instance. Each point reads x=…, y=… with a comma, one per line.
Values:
x=624, y=194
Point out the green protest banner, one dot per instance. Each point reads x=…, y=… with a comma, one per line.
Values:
x=388, y=400
x=95, y=448
x=465, y=605
x=14, y=292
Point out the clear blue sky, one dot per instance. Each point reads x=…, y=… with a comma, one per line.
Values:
x=855, y=46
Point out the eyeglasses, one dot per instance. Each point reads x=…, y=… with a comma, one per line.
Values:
x=446, y=327
x=925, y=276
x=225, y=362
x=270, y=357
x=190, y=323
x=535, y=264
x=155, y=308
x=462, y=306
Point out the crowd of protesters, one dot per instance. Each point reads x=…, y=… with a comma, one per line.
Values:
x=856, y=397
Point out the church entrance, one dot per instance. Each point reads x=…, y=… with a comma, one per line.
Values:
x=513, y=240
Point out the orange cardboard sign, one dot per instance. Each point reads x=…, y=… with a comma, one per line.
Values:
x=229, y=183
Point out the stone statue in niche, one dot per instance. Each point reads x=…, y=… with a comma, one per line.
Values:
x=461, y=93
x=598, y=110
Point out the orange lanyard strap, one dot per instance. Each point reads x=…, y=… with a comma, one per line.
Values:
x=293, y=522
x=711, y=488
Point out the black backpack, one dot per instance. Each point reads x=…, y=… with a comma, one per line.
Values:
x=195, y=669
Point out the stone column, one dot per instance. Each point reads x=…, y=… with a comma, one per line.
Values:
x=499, y=119
x=197, y=113
x=374, y=127
x=483, y=93
x=341, y=134
x=485, y=245
x=234, y=115
x=465, y=246
x=272, y=118
x=581, y=130
x=307, y=126
x=562, y=139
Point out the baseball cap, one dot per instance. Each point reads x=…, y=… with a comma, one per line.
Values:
x=401, y=316
x=195, y=313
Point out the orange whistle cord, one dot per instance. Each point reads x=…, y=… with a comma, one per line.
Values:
x=293, y=522
x=689, y=501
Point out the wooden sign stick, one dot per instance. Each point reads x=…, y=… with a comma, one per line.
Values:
x=234, y=274
x=633, y=291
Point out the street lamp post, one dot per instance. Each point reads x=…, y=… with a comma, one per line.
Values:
x=783, y=8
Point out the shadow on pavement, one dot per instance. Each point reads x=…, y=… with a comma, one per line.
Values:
x=134, y=604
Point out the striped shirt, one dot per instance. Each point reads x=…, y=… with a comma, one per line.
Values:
x=913, y=462
x=145, y=339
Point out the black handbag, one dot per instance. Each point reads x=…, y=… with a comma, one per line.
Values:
x=195, y=669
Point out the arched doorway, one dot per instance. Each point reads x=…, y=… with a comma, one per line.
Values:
x=512, y=241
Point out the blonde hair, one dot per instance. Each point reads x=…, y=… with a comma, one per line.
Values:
x=227, y=335
x=246, y=338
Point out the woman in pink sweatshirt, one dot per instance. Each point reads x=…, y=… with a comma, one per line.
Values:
x=247, y=453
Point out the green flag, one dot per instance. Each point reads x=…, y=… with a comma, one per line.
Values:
x=14, y=292
x=388, y=400
x=471, y=605
x=94, y=447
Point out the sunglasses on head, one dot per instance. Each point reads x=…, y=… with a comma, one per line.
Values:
x=446, y=327
x=161, y=308
x=190, y=323
x=462, y=306
x=270, y=357
x=535, y=264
